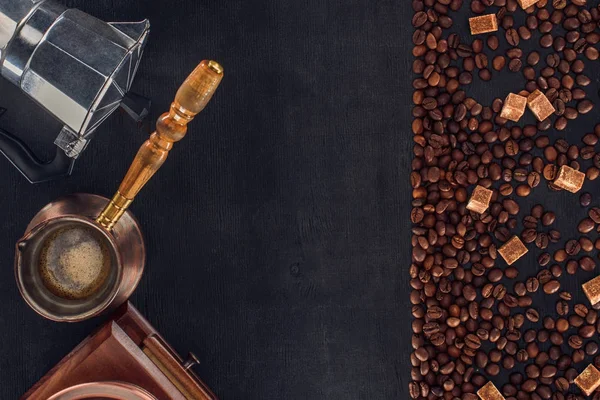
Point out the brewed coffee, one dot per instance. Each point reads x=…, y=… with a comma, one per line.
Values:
x=74, y=262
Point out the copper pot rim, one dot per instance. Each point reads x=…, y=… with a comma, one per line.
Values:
x=112, y=390
x=75, y=218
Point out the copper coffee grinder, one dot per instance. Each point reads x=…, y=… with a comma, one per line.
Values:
x=109, y=220
x=125, y=359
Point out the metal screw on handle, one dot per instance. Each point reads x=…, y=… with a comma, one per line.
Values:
x=191, y=361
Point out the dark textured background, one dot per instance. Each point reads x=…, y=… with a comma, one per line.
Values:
x=277, y=231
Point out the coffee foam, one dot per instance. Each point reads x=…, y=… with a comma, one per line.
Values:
x=74, y=262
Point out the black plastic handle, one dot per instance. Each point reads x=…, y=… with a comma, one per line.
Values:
x=34, y=169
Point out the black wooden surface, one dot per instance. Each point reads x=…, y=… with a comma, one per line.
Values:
x=277, y=231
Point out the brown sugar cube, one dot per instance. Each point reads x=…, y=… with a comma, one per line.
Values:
x=489, y=392
x=514, y=107
x=512, y=250
x=592, y=290
x=526, y=3
x=588, y=380
x=569, y=179
x=480, y=199
x=483, y=24
x=539, y=105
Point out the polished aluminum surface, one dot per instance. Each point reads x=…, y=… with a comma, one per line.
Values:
x=75, y=66
x=12, y=13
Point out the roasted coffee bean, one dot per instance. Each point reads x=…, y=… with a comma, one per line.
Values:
x=551, y=287
x=554, y=235
x=492, y=42
x=458, y=290
x=560, y=255
x=566, y=296
x=585, y=199
x=498, y=63
x=562, y=384
x=533, y=179
x=541, y=241
x=472, y=341
x=499, y=292
x=464, y=50
x=417, y=215
x=572, y=267
x=548, y=218
x=575, y=342
x=556, y=270
x=536, y=212
x=594, y=215
x=550, y=172
x=515, y=65
x=414, y=390
x=587, y=263
x=532, y=315
x=570, y=113
x=487, y=290
x=584, y=106
x=544, y=276
x=431, y=328
x=523, y=190
x=529, y=235
x=586, y=244
x=586, y=225
x=512, y=37
x=546, y=41
x=591, y=348
x=520, y=289
x=560, y=124
x=562, y=308
x=572, y=247
x=505, y=189
x=530, y=221
x=510, y=206
x=533, y=58
x=532, y=371
x=419, y=19
x=532, y=285
x=437, y=339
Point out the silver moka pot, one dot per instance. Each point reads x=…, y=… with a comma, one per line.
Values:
x=75, y=66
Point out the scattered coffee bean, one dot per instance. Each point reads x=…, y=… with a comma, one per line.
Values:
x=594, y=215
x=541, y=241
x=551, y=287
x=548, y=218
x=467, y=323
x=532, y=285
x=572, y=247
x=586, y=225
x=585, y=199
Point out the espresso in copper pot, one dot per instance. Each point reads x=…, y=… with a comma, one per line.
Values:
x=74, y=262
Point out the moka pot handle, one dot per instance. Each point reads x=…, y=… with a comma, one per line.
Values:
x=34, y=169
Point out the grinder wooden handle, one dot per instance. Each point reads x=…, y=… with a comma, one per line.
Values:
x=191, y=98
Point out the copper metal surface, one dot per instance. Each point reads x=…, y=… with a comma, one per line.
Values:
x=127, y=348
x=125, y=237
x=103, y=390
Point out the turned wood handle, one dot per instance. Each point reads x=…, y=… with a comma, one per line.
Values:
x=171, y=127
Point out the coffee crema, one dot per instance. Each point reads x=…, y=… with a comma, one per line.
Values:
x=74, y=262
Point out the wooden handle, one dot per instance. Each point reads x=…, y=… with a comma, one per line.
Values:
x=191, y=98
